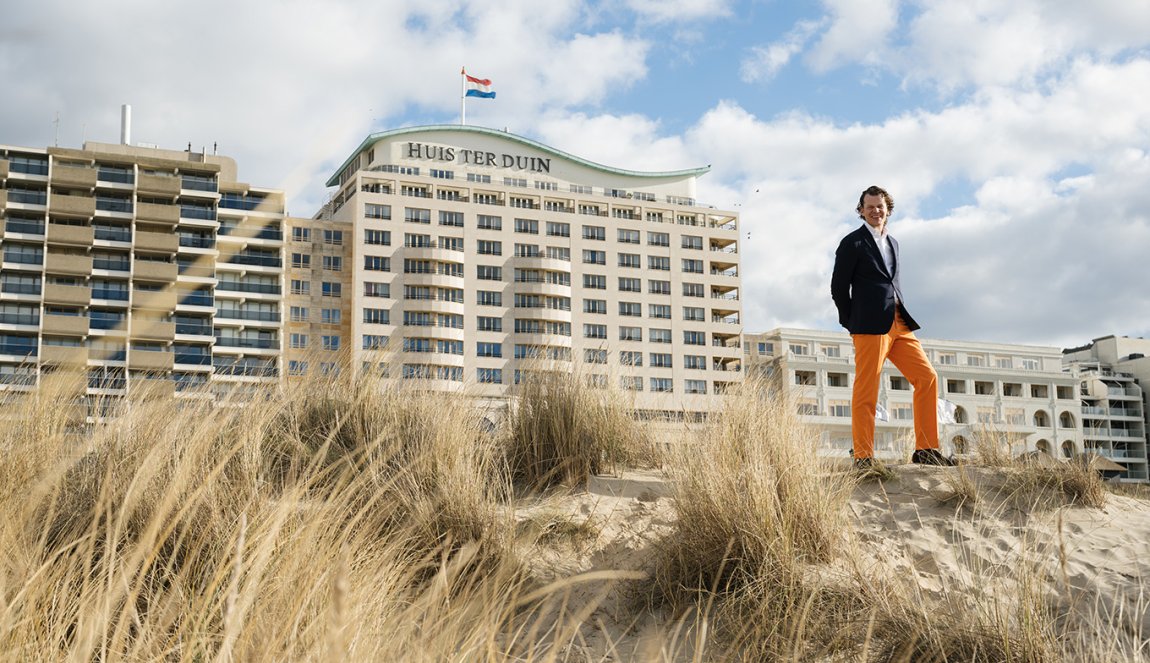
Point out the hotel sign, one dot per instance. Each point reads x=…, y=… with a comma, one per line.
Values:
x=477, y=157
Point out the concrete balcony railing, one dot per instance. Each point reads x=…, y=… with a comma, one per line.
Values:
x=73, y=295
x=3, y=169
x=63, y=355
x=154, y=271
x=74, y=206
x=68, y=264
x=159, y=242
x=153, y=213
x=164, y=300
x=158, y=185
x=153, y=330
x=71, y=177
x=140, y=360
x=65, y=325
x=70, y=235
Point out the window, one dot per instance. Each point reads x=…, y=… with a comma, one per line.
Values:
x=489, y=298
x=947, y=358
x=798, y=349
x=595, y=281
x=594, y=356
x=1003, y=362
x=983, y=388
x=485, y=349
x=559, y=253
x=489, y=375
x=301, y=260
x=658, y=287
x=661, y=263
x=300, y=287
x=299, y=314
x=831, y=351
x=594, y=257
x=375, y=289
x=697, y=314
x=333, y=263
x=333, y=237
x=630, y=260
x=330, y=316
x=416, y=215
x=486, y=323
x=297, y=367
x=986, y=415
x=975, y=360
x=299, y=341
x=899, y=383
x=598, y=233
x=695, y=386
x=529, y=226
x=1015, y=416
x=695, y=362
x=556, y=229
x=663, y=385
x=376, y=316
x=377, y=237
x=630, y=358
x=692, y=266
x=658, y=239
x=631, y=309
x=694, y=338
x=487, y=247
x=488, y=273
x=837, y=380
x=300, y=234
x=628, y=236
x=659, y=335
x=1030, y=365
x=332, y=289
x=595, y=306
x=629, y=284
x=373, y=211
x=1012, y=389
x=631, y=383
x=475, y=177
x=594, y=331
x=692, y=242
x=630, y=333
x=692, y=289
x=805, y=378
x=330, y=343
x=374, y=341
x=662, y=311
x=416, y=240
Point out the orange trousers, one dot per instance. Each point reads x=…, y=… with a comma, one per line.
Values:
x=905, y=352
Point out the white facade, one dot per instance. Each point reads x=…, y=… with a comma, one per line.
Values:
x=1018, y=391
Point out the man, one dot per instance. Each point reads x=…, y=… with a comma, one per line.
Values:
x=866, y=291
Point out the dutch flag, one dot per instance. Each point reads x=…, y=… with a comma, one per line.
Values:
x=478, y=87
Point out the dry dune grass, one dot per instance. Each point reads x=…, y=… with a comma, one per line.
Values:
x=328, y=521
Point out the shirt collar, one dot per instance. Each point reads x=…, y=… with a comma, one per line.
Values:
x=877, y=234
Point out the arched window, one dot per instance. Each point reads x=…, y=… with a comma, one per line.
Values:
x=1066, y=420
x=959, y=443
x=960, y=415
x=1043, y=446
x=1068, y=449
x=1041, y=419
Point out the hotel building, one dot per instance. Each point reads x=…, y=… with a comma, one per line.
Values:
x=139, y=266
x=465, y=255
x=1020, y=391
x=1115, y=382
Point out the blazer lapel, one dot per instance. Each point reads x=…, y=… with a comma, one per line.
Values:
x=874, y=251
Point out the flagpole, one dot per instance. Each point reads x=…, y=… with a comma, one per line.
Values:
x=463, y=96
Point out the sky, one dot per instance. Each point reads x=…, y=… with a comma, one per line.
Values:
x=1014, y=136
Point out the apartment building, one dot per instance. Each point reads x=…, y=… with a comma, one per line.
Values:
x=1019, y=391
x=1114, y=375
x=461, y=256
x=140, y=266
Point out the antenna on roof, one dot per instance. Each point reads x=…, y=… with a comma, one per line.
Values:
x=56, y=122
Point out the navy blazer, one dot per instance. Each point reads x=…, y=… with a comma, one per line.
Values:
x=863, y=290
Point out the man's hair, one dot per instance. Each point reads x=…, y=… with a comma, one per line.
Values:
x=876, y=191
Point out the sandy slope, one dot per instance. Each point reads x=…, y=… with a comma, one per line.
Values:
x=915, y=526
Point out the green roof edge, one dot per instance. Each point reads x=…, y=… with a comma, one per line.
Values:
x=376, y=137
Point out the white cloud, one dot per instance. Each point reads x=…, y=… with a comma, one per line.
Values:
x=680, y=10
x=858, y=32
x=766, y=61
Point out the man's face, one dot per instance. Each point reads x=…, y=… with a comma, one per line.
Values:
x=874, y=210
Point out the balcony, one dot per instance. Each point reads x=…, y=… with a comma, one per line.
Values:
x=240, y=314
x=141, y=360
x=158, y=185
x=68, y=264
x=74, y=206
x=153, y=330
x=3, y=169
x=72, y=295
x=148, y=270
x=74, y=178
x=249, y=343
x=153, y=213
x=159, y=242
x=161, y=300
x=65, y=325
x=70, y=235
x=64, y=355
